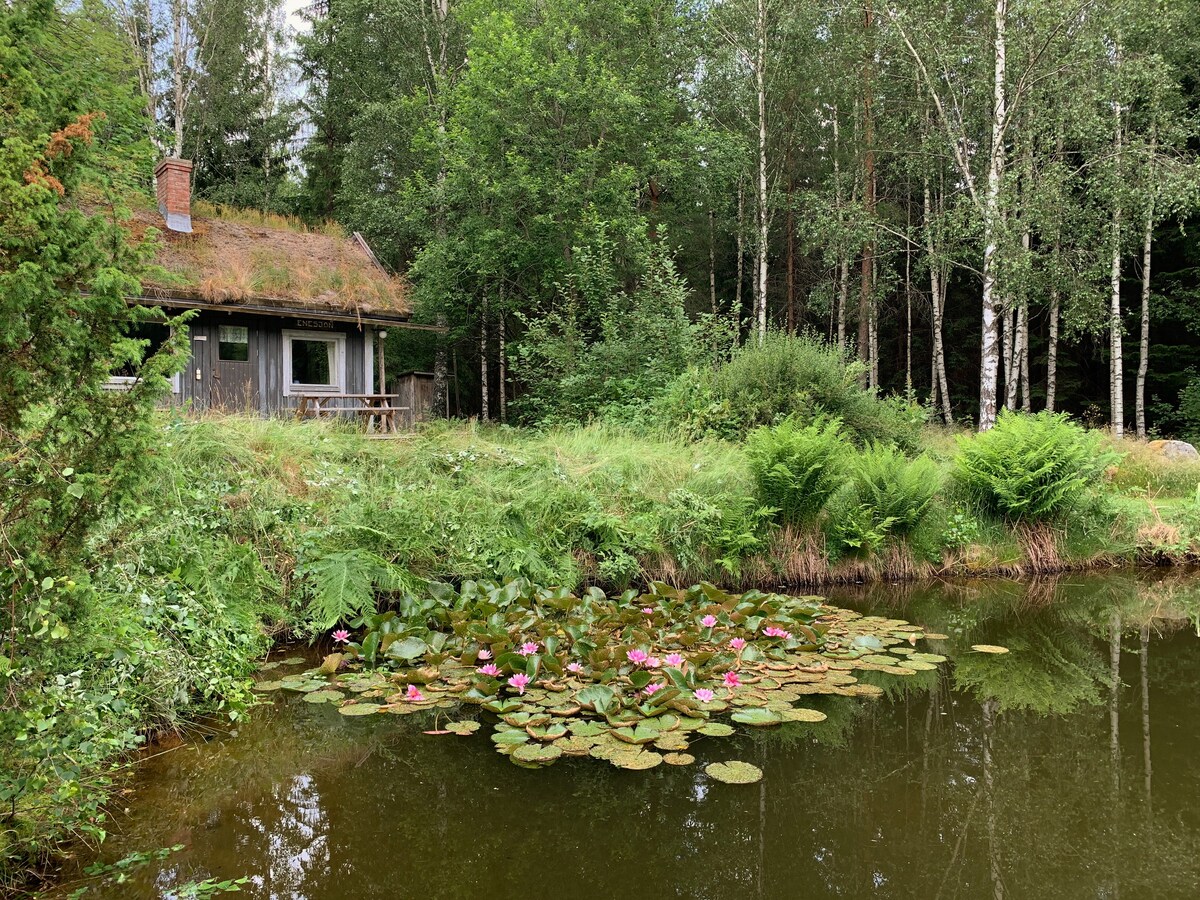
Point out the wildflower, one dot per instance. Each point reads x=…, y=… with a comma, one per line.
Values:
x=636, y=656
x=574, y=668
x=484, y=654
x=708, y=621
x=341, y=636
x=528, y=648
x=648, y=610
x=674, y=660
x=489, y=669
x=653, y=662
x=519, y=681
x=737, y=643
x=414, y=694
x=704, y=695
x=732, y=680
x=652, y=689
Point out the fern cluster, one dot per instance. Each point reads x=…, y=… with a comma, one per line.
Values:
x=797, y=468
x=1031, y=468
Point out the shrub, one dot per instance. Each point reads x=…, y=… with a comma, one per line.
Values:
x=797, y=376
x=797, y=468
x=896, y=489
x=1031, y=468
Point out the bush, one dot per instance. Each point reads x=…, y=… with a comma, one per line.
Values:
x=896, y=489
x=797, y=468
x=798, y=376
x=1031, y=468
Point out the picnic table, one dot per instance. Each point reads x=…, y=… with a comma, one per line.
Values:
x=378, y=411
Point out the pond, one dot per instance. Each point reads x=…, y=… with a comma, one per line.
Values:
x=1030, y=774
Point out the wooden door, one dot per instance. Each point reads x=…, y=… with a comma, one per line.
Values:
x=235, y=368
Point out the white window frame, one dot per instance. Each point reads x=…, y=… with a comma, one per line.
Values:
x=337, y=368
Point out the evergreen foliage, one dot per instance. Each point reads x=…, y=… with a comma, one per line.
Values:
x=797, y=468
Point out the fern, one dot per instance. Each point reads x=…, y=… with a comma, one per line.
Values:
x=797, y=469
x=342, y=586
x=1031, y=467
x=895, y=489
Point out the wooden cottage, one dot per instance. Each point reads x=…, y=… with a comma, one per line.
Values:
x=285, y=315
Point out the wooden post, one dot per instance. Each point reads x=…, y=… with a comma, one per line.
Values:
x=379, y=344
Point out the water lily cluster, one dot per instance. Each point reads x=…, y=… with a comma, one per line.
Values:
x=629, y=678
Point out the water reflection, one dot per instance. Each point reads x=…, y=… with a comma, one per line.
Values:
x=1024, y=775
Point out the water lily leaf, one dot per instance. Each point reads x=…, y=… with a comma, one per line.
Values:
x=325, y=696
x=866, y=642
x=501, y=707
x=803, y=714
x=268, y=685
x=547, y=732
x=715, y=729
x=409, y=649
x=989, y=648
x=927, y=657
x=678, y=759
x=574, y=746
x=510, y=737
x=757, y=717
x=463, y=728
x=597, y=696
x=931, y=636
x=639, y=735
x=303, y=687
x=329, y=665
x=672, y=740
x=360, y=709
x=293, y=661
x=734, y=772
x=587, y=729
x=542, y=754
x=918, y=665
x=879, y=659
x=635, y=761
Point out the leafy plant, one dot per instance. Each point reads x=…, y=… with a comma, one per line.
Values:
x=1031, y=467
x=797, y=468
x=894, y=488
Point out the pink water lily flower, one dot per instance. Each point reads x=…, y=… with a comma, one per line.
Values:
x=341, y=636
x=704, y=695
x=732, y=680
x=772, y=631
x=519, y=681
x=708, y=621
x=489, y=669
x=737, y=643
x=636, y=656
x=414, y=694
x=574, y=668
x=484, y=654
x=528, y=648
x=653, y=662
x=652, y=689
x=648, y=610
x=674, y=660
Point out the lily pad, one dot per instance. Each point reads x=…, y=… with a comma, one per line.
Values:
x=678, y=759
x=325, y=696
x=757, y=717
x=360, y=709
x=715, y=729
x=988, y=648
x=542, y=754
x=734, y=772
x=803, y=714
x=463, y=728
x=268, y=686
x=636, y=761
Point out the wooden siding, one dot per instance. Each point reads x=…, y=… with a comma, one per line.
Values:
x=266, y=339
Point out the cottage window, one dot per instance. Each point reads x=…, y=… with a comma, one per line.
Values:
x=234, y=343
x=314, y=362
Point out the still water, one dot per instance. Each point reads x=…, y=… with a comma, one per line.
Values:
x=1068, y=768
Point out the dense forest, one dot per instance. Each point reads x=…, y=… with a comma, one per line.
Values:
x=989, y=202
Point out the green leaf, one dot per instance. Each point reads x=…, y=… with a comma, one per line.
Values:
x=408, y=649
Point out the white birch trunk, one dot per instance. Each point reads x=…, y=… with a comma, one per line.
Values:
x=761, y=86
x=1144, y=345
x=989, y=349
x=484, y=411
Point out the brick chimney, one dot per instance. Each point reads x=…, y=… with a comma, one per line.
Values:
x=174, y=183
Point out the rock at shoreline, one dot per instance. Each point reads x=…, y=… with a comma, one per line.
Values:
x=1175, y=450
